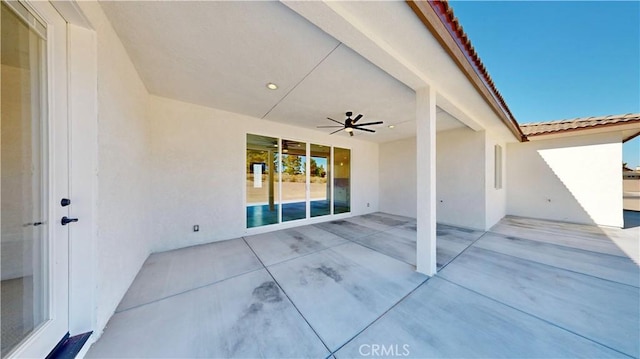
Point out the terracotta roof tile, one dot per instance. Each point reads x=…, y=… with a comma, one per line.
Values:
x=541, y=128
x=445, y=11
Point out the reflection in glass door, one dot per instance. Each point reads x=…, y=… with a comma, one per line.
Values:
x=262, y=181
x=24, y=285
x=320, y=186
x=289, y=180
x=341, y=180
x=294, y=180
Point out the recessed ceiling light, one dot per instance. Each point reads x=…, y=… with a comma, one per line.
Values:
x=272, y=86
x=392, y=126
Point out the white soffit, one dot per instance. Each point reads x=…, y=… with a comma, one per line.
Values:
x=222, y=55
x=219, y=54
x=347, y=82
x=391, y=36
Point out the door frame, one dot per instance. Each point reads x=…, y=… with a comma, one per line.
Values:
x=55, y=129
x=82, y=52
x=82, y=114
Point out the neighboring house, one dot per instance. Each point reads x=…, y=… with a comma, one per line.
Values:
x=631, y=175
x=631, y=190
x=151, y=107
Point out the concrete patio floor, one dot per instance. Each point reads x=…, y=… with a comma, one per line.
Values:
x=347, y=288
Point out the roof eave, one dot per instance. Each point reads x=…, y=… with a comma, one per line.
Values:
x=438, y=18
x=629, y=138
x=587, y=130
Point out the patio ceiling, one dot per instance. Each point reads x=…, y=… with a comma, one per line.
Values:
x=222, y=55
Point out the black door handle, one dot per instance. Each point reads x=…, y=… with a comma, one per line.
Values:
x=65, y=202
x=66, y=220
x=35, y=224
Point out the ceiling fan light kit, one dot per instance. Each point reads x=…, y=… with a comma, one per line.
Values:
x=351, y=124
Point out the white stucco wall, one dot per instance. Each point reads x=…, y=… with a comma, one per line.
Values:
x=460, y=178
x=463, y=196
x=572, y=179
x=124, y=235
x=397, y=165
x=496, y=198
x=198, y=171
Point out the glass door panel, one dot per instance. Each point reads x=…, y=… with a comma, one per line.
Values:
x=320, y=186
x=262, y=181
x=24, y=269
x=341, y=180
x=294, y=180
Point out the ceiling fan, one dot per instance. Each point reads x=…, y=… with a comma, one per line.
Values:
x=349, y=125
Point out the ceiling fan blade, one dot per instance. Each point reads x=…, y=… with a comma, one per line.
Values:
x=357, y=118
x=370, y=123
x=335, y=121
x=328, y=126
x=351, y=133
x=338, y=130
x=364, y=129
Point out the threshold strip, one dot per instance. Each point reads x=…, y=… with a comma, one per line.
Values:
x=69, y=347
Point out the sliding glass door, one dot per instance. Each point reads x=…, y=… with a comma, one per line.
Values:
x=288, y=180
x=294, y=180
x=320, y=187
x=342, y=180
x=262, y=181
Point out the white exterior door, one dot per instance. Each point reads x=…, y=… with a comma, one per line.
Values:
x=35, y=177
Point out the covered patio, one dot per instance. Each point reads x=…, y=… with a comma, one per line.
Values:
x=189, y=179
x=348, y=288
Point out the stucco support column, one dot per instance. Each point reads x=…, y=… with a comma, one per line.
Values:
x=426, y=181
